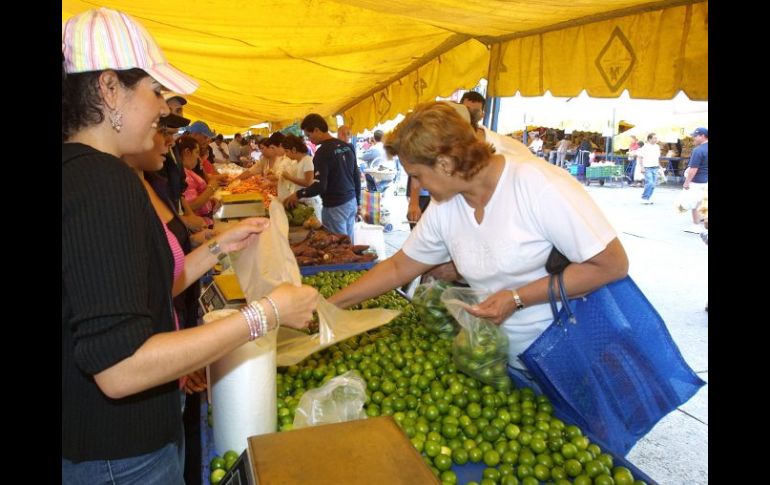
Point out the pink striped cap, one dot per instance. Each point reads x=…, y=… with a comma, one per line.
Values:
x=107, y=39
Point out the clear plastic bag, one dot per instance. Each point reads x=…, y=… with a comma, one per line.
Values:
x=268, y=263
x=481, y=348
x=334, y=325
x=431, y=310
x=339, y=400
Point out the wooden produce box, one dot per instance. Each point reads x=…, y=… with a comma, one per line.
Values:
x=370, y=451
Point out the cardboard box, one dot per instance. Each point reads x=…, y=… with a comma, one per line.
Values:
x=370, y=451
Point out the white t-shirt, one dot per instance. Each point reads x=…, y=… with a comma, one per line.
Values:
x=285, y=187
x=536, y=145
x=296, y=170
x=535, y=206
x=650, y=154
x=505, y=144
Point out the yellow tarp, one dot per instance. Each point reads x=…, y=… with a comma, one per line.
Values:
x=278, y=60
x=652, y=54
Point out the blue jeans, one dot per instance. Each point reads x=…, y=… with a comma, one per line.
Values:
x=159, y=467
x=650, y=177
x=340, y=219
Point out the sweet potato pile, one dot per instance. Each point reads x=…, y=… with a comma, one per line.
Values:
x=323, y=247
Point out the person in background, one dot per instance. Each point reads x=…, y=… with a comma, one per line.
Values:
x=175, y=103
x=536, y=145
x=497, y=217
x=198, y=194
x=234, y=148
x=703, y=209
x=338, y=178
x=344, y=134
x=633, y=147
x=375, y=155
x=561, y=151
x=201, y=132
x=301, y=174
x=219, y=155
x=123, y=358
x=696, y=176
x=186, y=305
x=475, y=103
x=648, y=158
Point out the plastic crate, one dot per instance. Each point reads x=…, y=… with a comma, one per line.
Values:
x=573, y=169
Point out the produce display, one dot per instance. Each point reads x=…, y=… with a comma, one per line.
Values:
x=301, y=213
x=451, y=419
x=256, y=183
x=322, y=247
x=330, y=282
x=431, y=310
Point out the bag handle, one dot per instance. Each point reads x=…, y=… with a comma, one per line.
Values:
x=552, y=297
x=564, y=298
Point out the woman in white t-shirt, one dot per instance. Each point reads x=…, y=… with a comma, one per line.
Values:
x=497, y=217
x=301, y=174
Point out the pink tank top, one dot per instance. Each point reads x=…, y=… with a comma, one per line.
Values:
x=178, y=253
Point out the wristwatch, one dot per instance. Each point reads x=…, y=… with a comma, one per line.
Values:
x=216, y=250
x=517, y=300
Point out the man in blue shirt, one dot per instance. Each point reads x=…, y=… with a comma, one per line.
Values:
x=696, y=177
x=338, y=180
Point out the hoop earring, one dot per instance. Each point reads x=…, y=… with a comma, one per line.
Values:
x=116, y=120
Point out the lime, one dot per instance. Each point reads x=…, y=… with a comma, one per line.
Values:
x=216, y=476
x=217, y=463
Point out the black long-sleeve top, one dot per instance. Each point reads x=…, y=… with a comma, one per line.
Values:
x=117, y=272
x=336, y=170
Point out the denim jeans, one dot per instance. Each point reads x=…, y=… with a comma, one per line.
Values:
x=340, y=219
x=650, y=177
x=159, y=467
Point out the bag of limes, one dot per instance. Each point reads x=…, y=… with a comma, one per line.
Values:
x=431, y=310
x=480, y=350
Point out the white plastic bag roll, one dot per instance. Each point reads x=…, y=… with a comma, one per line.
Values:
x=243, y=391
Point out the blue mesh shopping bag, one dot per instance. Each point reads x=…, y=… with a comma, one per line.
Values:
x=609, y=364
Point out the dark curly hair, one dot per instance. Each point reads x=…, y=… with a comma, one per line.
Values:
x=295, y=142
x=81, y=103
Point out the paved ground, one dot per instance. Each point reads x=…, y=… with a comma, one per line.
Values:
x=671, y=267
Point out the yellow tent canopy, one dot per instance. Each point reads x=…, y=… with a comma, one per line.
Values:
x=277, y=60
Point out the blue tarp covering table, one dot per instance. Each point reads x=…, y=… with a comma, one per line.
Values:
x=311, y=270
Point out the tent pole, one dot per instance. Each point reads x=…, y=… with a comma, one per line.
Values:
x=526, y=133
x=495, y=113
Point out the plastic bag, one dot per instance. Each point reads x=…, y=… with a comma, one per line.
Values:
x=268, y=263
x=481, y=348
x=339, y=400
x=431, y=310
x=334, y=325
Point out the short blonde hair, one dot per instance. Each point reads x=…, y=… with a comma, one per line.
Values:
x=434, y=129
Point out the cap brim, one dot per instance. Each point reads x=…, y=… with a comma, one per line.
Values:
x=172, y=78
x=168, y=96
x=174, y=121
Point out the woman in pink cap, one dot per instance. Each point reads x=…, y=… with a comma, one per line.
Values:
x=122, y=357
